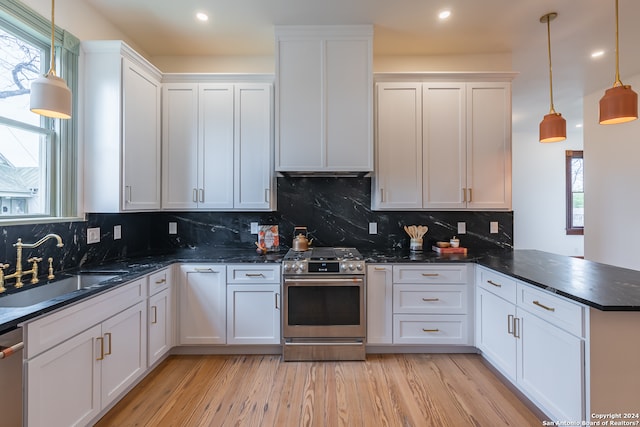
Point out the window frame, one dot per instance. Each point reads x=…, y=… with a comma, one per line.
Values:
x=63, y=149
x=570, y=155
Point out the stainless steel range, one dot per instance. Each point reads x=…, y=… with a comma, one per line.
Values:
x=323, y=304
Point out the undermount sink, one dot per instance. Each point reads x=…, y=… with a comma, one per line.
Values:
x=47, y=291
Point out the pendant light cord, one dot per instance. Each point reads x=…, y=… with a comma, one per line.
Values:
x=617, y=82
x=551, y=108
x=52, y=69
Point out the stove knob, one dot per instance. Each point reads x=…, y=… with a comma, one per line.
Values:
x=359, y=267
x=352, y=267
x=297, y=267
x=287, y=267
x=343, y=266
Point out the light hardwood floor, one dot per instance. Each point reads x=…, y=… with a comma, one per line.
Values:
x=260, y=390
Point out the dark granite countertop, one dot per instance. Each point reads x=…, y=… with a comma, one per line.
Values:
x=597, y=285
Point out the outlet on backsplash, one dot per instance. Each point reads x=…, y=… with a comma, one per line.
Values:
x=117, y=232
x=93, y=235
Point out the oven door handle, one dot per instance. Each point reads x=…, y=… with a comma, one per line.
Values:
x=324, y=281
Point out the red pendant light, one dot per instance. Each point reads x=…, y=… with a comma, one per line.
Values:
x=553, y=127
x=619, y=103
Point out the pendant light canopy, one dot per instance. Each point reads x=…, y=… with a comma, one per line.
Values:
x=50, y=95
x=619, y=103
x=553, y=127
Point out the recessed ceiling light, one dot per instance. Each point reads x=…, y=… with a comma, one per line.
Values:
x=444, y=14
x=201, y=16
x=597, y=53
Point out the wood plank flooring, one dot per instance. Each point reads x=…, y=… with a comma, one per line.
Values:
x=260, y=390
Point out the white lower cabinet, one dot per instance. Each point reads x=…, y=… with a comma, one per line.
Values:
x=536, y=339
x=379, y=304
x=431, y=304
x=160, y=319
x=253, y=304
x=72, y=382
x=253, y=314
x=202, y=304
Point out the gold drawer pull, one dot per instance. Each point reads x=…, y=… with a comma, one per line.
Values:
x=430, y=299
x=101, y=357
x=155, y=314
x=204, y=270
x=380, y=268
x=491, y=282
x=254, y=274
x=544, y=306
x=430, y=274
x=108, y=352
x=158, y=282
x=430, y=330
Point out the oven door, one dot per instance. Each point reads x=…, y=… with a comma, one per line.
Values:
x=324, y=307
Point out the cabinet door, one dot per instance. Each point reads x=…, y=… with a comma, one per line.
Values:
x=494, y=332
x=349, y=100
x=397, y=183
x=141, y=138
x=379, y=304
x=215, y=148
x=253, y=314
x=547, y=354
x=202, y=304
x=489, y=145
x=125, y=351
x=180, y=146
x=299, y=107
x=63, y=384
x=253, y=147
x=444, y=145
x=159, y=318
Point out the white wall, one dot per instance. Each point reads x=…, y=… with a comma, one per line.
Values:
x=612, y=186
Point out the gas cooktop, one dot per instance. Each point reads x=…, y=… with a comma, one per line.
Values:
x=323, y=260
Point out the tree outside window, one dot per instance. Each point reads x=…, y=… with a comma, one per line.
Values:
x=575, y=191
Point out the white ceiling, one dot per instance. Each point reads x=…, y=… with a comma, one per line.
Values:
x=411, y=27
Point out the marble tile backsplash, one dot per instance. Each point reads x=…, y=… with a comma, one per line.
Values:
x=337, y=212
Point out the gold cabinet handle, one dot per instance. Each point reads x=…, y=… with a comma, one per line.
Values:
x=510, y=324
x=155, y=314
x=254, y=274
x=464, y=195
x=195, y=195
x=277, y=301
x=516, y=327
x=382, y=195
x=158, y=282
x=204, y=270
x=202, y=195
x=544, y=306
x=108, y=335
x=430, y=330
x=101, y=357
x=491, y=282
x=430, y=274
x=380, y=268
x=470, y=195
x=430, y=299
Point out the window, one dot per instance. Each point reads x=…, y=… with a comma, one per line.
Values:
x=575, y=192
x=37, y=154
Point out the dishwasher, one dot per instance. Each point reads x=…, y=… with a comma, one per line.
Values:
x=11, y=378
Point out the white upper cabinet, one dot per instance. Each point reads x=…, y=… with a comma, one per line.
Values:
x=443, y=145
x=121, y=109
x=324, y=98
x=217, y=142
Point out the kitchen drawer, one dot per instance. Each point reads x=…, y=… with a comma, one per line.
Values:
x=52, y=329
x=431, y=329
x=437, y=273
x=159, y=281
x=251, y=273
x=552, y=308
x=496, y=283
x=430, y=299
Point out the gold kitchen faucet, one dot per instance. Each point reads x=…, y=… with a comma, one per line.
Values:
x=33, y=260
